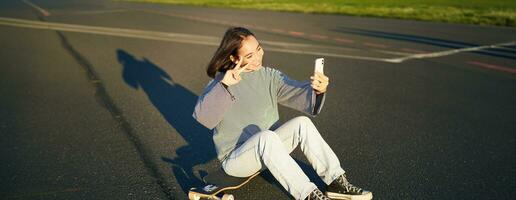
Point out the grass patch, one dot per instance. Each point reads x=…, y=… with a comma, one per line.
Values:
x=484, y=12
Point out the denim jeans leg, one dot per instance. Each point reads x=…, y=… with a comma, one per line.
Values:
x=301, y=131
x=266, y=149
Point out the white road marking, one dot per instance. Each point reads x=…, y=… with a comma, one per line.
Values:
x=329, y=54
x=41, y=10
x=284, y=44
x=265, y=29
x=300, y=45
x=406, y=56
x=295, y=48
x=154, y=35
x=451, y=52
x=164, y=36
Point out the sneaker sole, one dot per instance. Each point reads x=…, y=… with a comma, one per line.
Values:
x=339, y=196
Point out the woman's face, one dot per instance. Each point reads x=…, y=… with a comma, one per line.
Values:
x=252, y=54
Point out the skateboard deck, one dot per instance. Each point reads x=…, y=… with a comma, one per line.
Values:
x=217, y=183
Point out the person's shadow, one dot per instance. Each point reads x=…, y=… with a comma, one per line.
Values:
x=176, y=104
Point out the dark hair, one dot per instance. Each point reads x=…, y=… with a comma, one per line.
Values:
x=229, y=45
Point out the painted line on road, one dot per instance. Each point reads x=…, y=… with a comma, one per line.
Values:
x=343, y=40
x=41, y=10
x=317, y=36
x=494, y=67
x=391, y=52
x=331, y=55
x=417, y=55
x=265, y=29
x=279, y=31
x=173, y=37
x=296, y=33
x=214, y=41
x=376, y=45
x=451, y=52
x=303, y=46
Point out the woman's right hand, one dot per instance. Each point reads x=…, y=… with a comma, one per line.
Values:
x=232, y=76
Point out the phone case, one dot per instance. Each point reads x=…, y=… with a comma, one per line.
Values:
x=319, y=65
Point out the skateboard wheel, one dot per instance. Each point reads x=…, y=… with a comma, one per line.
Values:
x=228, y=197
x=193, y=196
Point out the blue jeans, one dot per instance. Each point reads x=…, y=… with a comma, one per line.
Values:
x=271, y=150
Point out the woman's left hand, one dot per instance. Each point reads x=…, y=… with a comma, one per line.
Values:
x=319, y=82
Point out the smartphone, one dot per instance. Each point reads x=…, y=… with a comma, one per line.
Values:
x=319, y=65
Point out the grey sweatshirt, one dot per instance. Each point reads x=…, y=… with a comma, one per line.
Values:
x=239, y=111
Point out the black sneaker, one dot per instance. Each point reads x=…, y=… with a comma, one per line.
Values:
x=317, y=195
x=340, y=188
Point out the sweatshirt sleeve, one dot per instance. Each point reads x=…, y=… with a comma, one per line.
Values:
x=213, y=104
x=298, y=95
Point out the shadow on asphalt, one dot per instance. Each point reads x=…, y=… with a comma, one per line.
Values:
x=508, y=53
x=176, y=104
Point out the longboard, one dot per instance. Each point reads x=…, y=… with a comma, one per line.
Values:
x=217, y=184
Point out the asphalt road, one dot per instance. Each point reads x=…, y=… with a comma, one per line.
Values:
x=96, y=100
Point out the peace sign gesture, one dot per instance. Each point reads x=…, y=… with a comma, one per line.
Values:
x=232, y=76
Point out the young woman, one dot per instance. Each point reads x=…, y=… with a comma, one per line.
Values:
x=240, y=104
